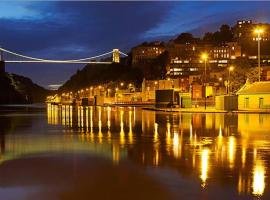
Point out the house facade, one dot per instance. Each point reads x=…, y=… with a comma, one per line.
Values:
x=254, y=96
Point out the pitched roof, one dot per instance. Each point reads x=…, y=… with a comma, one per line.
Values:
x=262, y=87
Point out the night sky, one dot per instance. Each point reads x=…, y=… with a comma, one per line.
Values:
x=70, y=30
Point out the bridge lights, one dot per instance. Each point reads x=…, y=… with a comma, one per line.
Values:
x=122, y=84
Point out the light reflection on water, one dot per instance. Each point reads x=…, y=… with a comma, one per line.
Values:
x=211, y=149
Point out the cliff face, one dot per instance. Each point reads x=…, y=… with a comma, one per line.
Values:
x=15, y=89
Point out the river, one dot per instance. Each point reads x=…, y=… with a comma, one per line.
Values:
x=63, y=152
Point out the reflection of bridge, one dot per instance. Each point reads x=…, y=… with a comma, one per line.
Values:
x=116, y=53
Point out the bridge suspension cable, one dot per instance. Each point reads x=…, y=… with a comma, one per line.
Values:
x=40, y=60
x=123, y=53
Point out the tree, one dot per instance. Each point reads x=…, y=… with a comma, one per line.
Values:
x=184, y=38
x=208, y=37
x=226, y=34
x=240, y=75
x=220, y=37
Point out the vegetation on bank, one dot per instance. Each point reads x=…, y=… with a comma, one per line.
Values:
x=96, y=74
x=17, y=89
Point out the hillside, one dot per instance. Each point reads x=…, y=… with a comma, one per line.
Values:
x=17, y=89
x=95, y=74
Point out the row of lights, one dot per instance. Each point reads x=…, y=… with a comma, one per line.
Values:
x=99, y=87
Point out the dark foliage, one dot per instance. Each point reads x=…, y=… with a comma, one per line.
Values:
x=225, y=34
x=184, y=38
x=95, y=74
x=17, y=89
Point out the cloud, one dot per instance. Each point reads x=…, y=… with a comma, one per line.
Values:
x=71, y=30
x=200, y=17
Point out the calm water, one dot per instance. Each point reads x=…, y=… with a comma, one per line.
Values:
x=129, y=153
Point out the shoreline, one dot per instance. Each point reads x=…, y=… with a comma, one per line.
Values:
x=208, y=110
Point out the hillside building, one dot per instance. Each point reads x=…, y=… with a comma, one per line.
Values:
x=146, y=52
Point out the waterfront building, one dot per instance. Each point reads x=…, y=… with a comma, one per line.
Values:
x=254, y=96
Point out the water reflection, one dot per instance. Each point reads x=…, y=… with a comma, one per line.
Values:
x=258, y=184
x=210, y=149
x=204, y=166
x=188, y=138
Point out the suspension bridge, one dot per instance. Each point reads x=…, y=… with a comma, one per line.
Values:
x=116, y=53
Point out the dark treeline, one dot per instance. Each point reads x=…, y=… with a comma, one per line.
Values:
x=17, y=89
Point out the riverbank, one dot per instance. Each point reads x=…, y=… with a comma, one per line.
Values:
x=203, y=110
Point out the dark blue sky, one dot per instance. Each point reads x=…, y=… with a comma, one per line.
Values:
x=70, y=30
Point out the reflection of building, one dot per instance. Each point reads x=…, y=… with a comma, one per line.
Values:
x=146, y=52
x=255, y=96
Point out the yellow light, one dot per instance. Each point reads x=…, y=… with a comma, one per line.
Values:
x=204, y=56
x=231, y=68
x=204, y=166
x=116, y=89
x=156, y=132
x=99, y=86
x=122, y=84
x=231, y=149
x=91, y=88
x=130, y=85
x=258, y=178
x=258, y=30
x=156, y=82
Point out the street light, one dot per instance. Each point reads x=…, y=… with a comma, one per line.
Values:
x=231, y=68
x=259, y=31
x=204, y=56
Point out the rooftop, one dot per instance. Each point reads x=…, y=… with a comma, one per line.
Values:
x=262, y=87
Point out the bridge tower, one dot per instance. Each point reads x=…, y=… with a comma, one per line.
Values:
x=2, y=63
x=116, y=56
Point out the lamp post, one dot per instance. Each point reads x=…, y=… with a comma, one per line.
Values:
x=204, y=57
x=259, y=31
x=231, y=68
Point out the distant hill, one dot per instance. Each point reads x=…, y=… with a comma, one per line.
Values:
x=17, y=89
x=95, y=74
